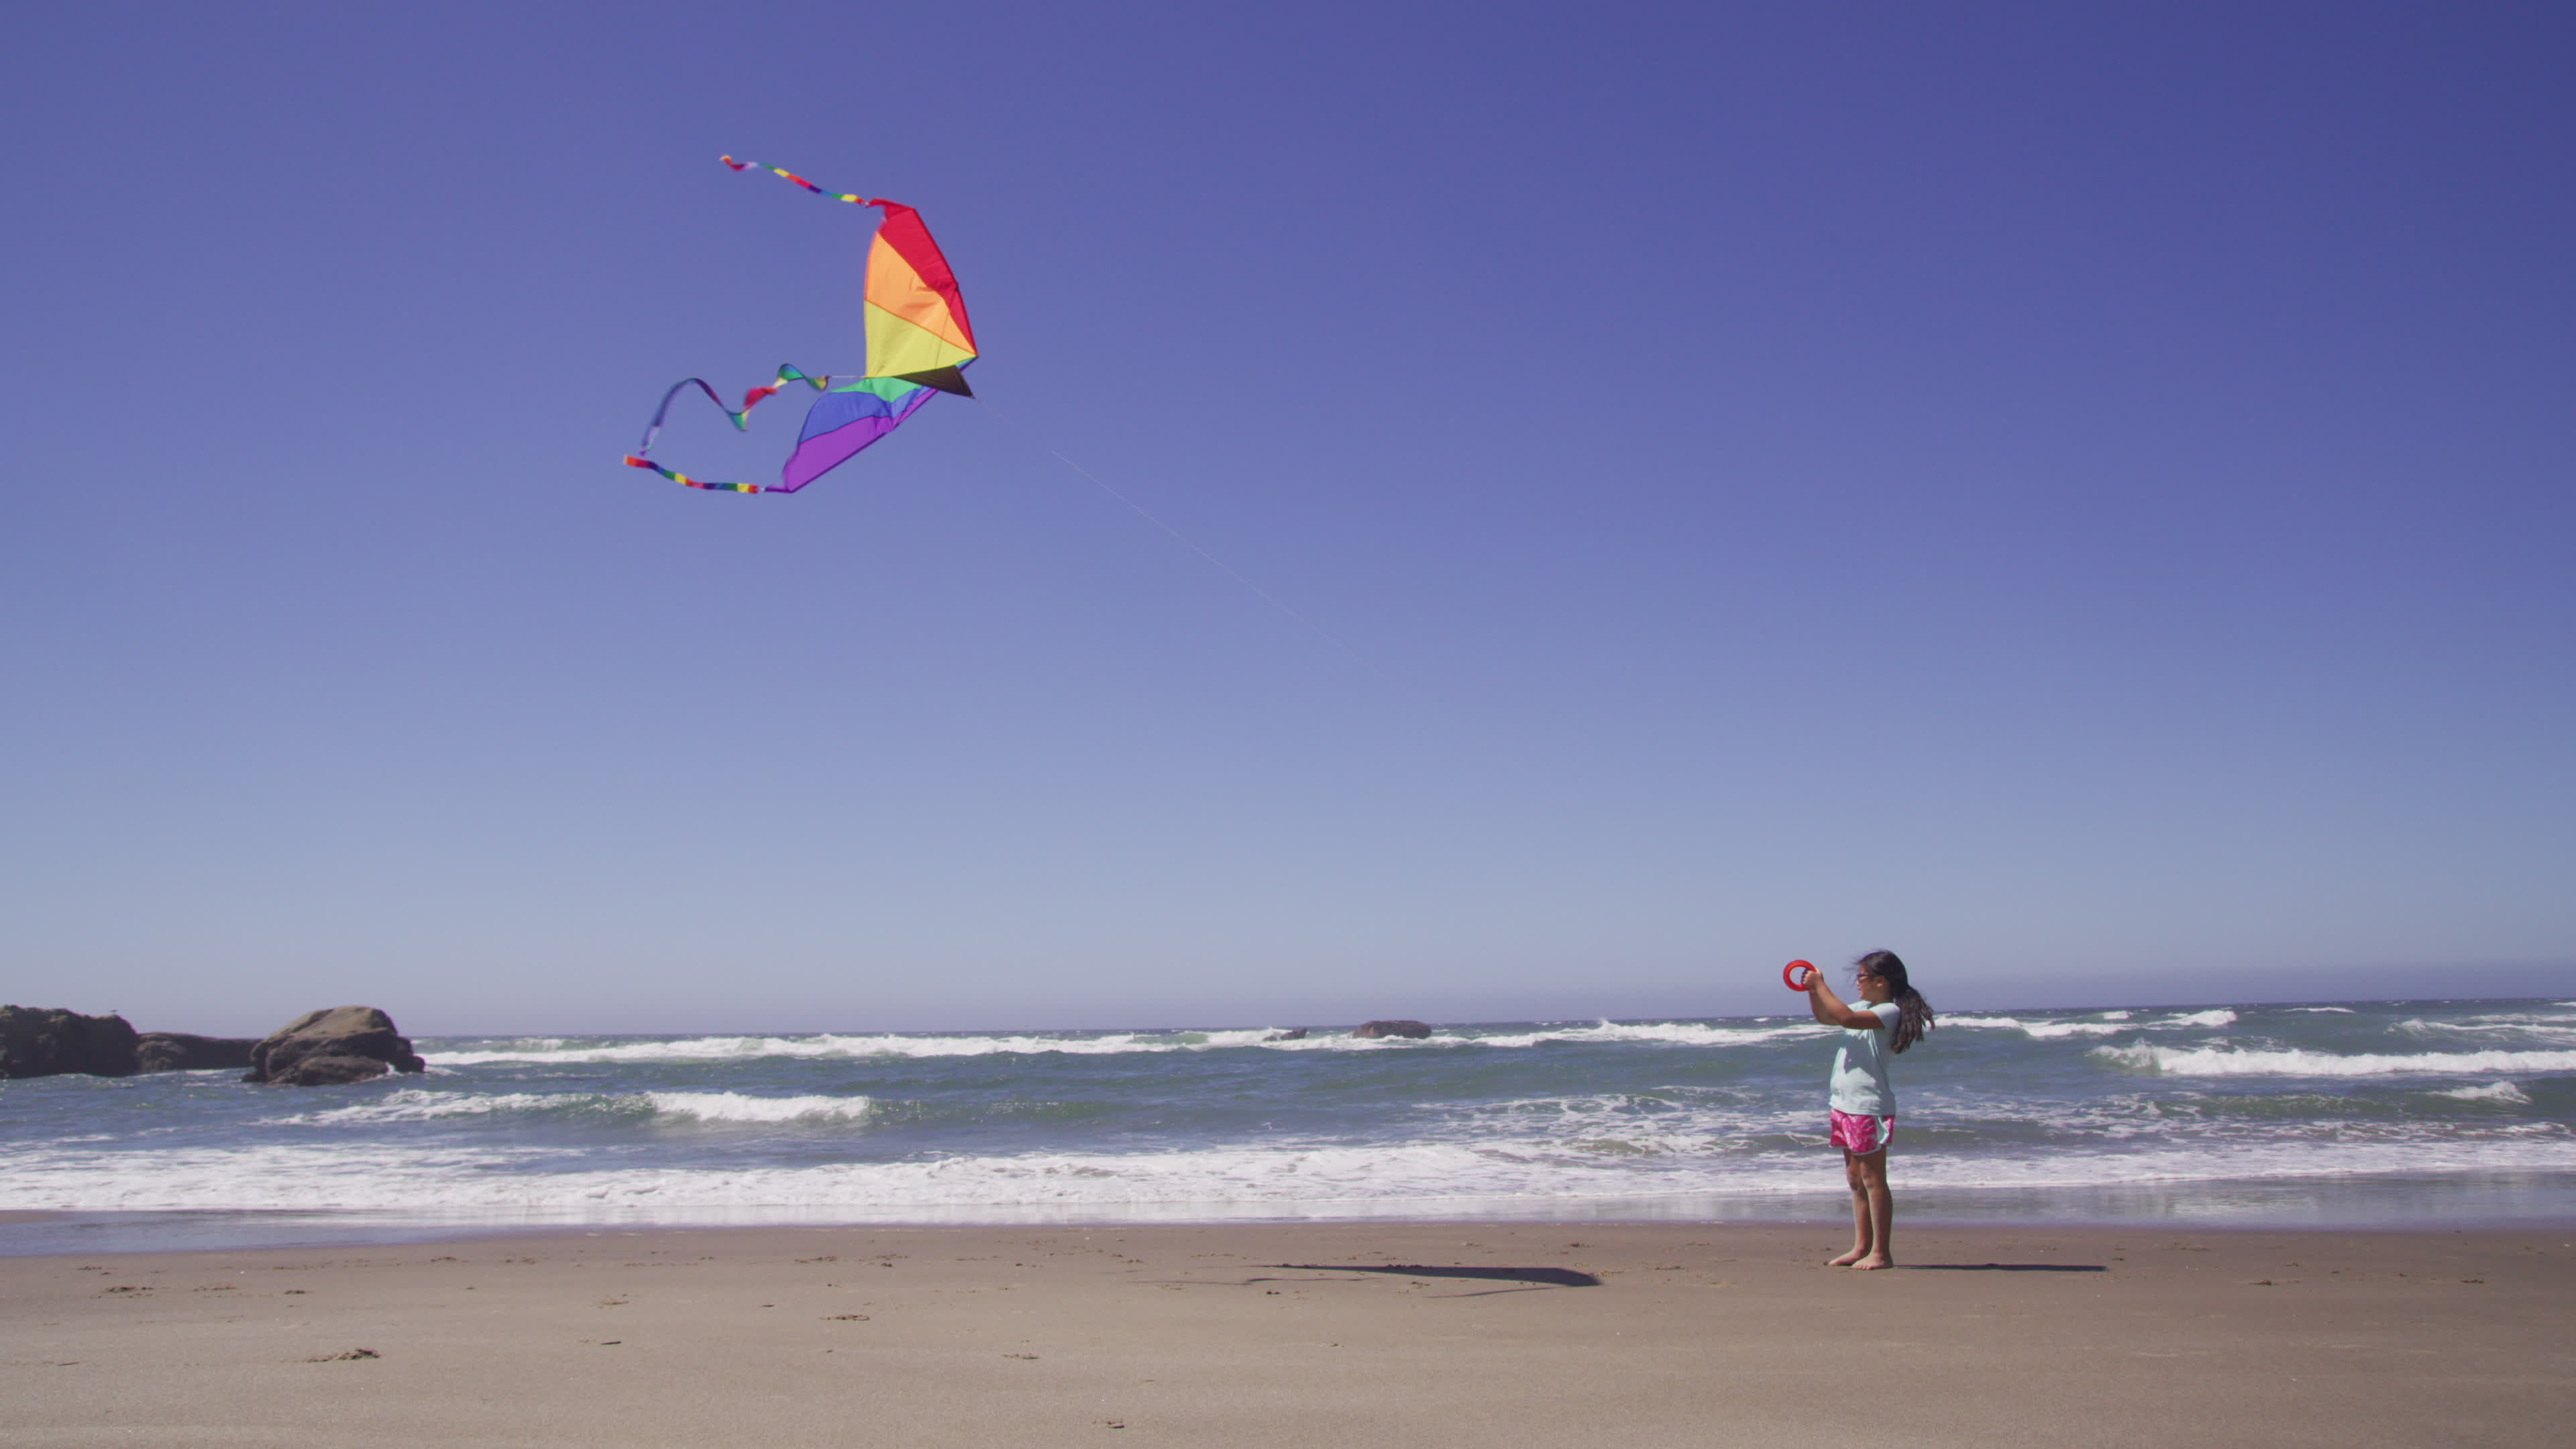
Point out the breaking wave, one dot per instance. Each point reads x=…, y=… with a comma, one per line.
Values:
x=2116, y=1023
x=1286, y=1180
x=2505, y=1092
x=735, y=1107
x=419, y=1105
x=824, y=1046
x=2233, y=1062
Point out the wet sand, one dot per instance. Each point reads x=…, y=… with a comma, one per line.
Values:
x=1336, y=1334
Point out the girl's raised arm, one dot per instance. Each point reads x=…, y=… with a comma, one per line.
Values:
x=1830, y=1010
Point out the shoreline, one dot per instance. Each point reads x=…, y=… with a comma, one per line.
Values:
x=2538, y=1202
x=1301, y=1333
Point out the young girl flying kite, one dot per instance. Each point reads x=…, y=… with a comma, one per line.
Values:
x=1891, y=1016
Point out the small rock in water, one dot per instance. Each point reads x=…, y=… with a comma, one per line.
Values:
x=329, y=1047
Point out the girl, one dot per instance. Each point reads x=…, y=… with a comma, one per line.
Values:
x=1891, y=1017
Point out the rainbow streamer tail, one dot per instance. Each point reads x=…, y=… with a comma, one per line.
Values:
x=685, y=481
x=739, y=417
x=801, y=181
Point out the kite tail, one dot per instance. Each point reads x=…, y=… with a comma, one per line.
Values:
x=739, y=417
x=685, y=481
x=801, y=181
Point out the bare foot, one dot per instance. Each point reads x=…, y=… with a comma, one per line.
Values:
x=1847, y=1259
x=1872, y=1262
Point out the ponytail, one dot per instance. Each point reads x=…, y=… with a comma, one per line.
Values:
x=1914, y=1014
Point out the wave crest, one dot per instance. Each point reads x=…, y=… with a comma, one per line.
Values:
x=414, y=1104
x=2117, y=1023
x=2505, y=1092
x=829, y=1045
x=736, y=1107
x=2143, y=1056
x=544, y=1050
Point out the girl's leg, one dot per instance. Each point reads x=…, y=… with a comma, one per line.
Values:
x=1871, y=1197
x=1862, y=1222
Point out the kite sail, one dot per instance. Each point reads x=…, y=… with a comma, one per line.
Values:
x=918, y=344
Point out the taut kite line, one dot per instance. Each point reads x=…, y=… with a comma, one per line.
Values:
x=918, y=344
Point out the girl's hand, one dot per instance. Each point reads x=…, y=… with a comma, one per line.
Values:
x=1828, y=1008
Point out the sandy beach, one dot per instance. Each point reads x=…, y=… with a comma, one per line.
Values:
x=1345, y=1334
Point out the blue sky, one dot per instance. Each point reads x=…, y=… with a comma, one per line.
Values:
x=2081, y=499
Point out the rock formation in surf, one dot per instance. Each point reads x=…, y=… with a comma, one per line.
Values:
x=46, y=1041
x=325, y=1048
x=1412, y=1029
x=179, y=1051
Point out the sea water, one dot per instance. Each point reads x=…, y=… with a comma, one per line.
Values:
x=2410, y=1113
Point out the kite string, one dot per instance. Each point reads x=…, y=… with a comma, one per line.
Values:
x=1190, y=543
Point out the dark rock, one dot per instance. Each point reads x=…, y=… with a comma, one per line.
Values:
x=1294, y=1033
x=1412, y=1029
x=328, y=1047
x=42, y=1041
x=329, y=1071
x=179, y=1051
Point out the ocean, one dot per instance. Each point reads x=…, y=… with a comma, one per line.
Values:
x=2381, y=1114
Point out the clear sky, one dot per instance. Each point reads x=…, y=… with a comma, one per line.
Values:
x=2079, y=495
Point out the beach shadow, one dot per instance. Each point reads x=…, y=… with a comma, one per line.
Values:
x=1543, y=1277
x=2006, y=1267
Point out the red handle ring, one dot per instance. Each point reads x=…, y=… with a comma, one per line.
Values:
x=1789, y=973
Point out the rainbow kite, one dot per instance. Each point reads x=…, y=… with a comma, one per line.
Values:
x=918, y=344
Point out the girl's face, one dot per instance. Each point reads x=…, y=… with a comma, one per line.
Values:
x=1872, y=987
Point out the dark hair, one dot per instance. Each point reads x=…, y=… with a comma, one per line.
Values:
x=1915, y=1014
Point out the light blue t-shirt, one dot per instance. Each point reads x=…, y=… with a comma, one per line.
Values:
x=1859, y=1083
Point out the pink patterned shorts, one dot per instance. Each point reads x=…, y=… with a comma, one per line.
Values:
x=1862, y=1135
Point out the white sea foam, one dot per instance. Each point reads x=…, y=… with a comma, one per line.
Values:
x=753, y=1048
x=417, y=1105
x=2039, y=1030
x=2053, y=1030
x=1286, y=1180
x=824, y=1046
x=2116, y=1015
x=2343, y=1010
x=735, y=1107
x=1674, y=1033
x=2505, y=1092
x=1675, y=1121
x=2146, y=1056
x=2539, y=1030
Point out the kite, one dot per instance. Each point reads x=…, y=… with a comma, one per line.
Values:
x=918, y=344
